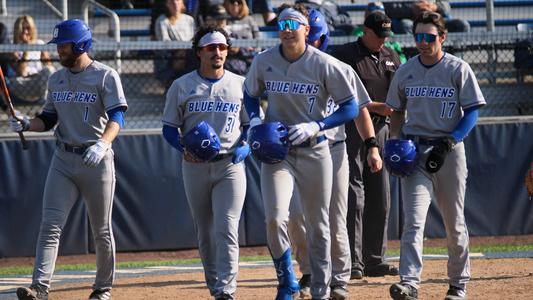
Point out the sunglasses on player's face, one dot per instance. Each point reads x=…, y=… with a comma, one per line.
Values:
x=428, y=37
x=214, y=47
x=291, y=24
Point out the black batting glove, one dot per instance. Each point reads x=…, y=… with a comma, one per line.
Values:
x=437, y=155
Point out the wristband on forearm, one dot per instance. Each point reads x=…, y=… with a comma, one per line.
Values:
x=371, y=142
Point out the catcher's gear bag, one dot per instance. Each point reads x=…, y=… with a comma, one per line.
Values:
x=401, y=157
x=269, y=142
x=202, y=141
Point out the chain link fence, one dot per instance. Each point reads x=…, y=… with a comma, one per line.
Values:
x=502, y=59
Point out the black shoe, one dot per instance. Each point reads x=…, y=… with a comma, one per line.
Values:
x=402, y=291
x=356, y=274
x=305, y=286
x=381, y=270
x=455, y=293
x=34, y=292
x=338, y=292
x=100, y=295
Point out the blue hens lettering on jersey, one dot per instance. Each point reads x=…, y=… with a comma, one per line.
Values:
x=214, y=106
x=429, y=92
x=69, y=96
x=288, y=87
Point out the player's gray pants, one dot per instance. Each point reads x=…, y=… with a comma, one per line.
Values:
x=368, y=204
x=215, y=193
x=68, y=178
x=340, y=249
x=447, y=187
x=310, y=168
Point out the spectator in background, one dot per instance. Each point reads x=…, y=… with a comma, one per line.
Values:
x=264, y=7
x=216, y=15
x=414, y=9
x=173, y=25
x=241, y=26
x=28, y=74
x=394, y=45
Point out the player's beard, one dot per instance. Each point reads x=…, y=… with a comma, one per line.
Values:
x=68, y=61
x=217, y=64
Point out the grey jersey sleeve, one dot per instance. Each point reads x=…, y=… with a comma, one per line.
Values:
x=173, y=112
x=469, y=92
x=254, y=84
x=113, y=94
x=396, y=94
x=340, y=81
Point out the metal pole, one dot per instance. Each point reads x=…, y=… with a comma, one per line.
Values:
x=116, y=26
x=65, y=9
x=490, y=15
x=3, y=8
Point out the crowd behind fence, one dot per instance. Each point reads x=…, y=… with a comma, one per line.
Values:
x=501, y=58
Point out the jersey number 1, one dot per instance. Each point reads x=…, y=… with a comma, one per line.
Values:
x=447, y=108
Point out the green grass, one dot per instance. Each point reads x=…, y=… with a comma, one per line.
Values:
x=15, y=271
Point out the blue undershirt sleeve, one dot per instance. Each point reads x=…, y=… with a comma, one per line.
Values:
x=347, y=111
x=252, y=105
x=465, y=124
x=117, y=115
x=172, y=136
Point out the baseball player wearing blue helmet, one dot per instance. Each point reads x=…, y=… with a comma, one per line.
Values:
x=87, y=103
x=206, y=105
x=299, y=81
x=340, y=249
x=440, y=95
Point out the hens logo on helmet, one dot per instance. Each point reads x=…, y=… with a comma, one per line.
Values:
x=256, y=145
x=205, y=143
x=56, y=32
x=269, y=142
x=202, y=142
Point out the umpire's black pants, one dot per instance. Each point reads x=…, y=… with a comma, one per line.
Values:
x=368, y=203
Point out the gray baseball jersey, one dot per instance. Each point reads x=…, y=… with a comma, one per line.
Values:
x=299, y=92
x=215, y=190
x=192, y=99
x=434, y=99
x=80, y=101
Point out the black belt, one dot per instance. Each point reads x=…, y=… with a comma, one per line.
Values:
x=378, y=119
x=71, y=148
x=311, y=142
x=220, y=157
x=424, y=141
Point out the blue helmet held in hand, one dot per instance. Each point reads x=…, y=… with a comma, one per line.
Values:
x=401, y=157
x=202, y=141
x=269, y=142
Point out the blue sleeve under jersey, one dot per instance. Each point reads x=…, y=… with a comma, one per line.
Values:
x=466, y=124
x=117, y=115
x=172, y=136
x=347, y=111
x=252, y=105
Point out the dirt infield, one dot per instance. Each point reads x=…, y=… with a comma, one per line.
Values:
x=491, y=279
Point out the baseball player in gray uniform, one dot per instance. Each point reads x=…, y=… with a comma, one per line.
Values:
x=86, y=101
x=435, y=97
x=299, y=80
x=215, y=189
x=340, y=248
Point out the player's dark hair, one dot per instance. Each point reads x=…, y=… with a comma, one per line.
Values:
x=428, y=17
x=300, y=7
x=203, y=30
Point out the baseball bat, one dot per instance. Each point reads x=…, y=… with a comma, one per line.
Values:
x=9, y=104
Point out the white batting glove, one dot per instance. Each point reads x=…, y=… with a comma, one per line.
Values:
x=19, y=123
x=253, y=122
x=94, y=154
x=301, y=132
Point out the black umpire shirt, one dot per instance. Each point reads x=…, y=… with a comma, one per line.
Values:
x=375, y=69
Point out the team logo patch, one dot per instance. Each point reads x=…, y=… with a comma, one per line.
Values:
x=395, y=158
x=205, y=143
x=269, y=69
x=56, y=32
x=389, y=63
x=255, y=145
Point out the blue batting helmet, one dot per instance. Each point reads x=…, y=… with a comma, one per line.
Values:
x=73, y=31
x=401, y=157
x=319, y=29
x=269, y=142
x=202, y=141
